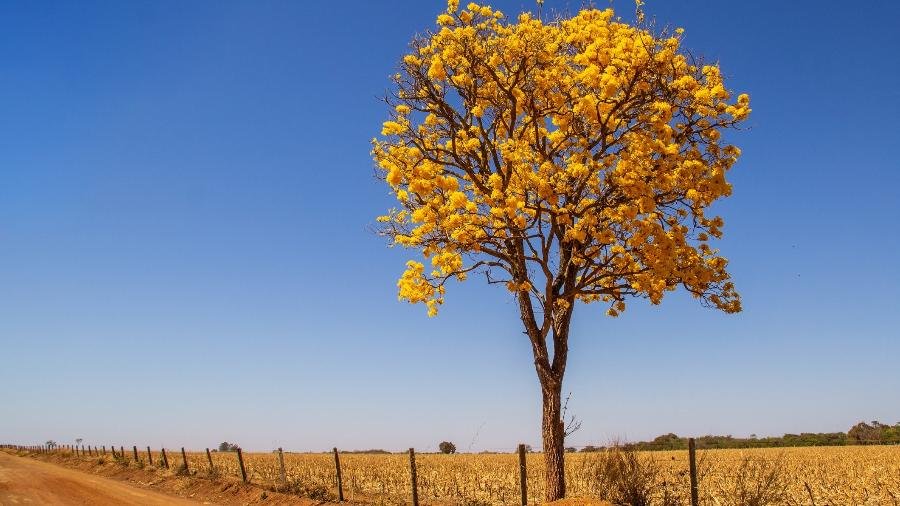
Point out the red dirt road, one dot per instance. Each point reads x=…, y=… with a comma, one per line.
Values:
x=28, y=481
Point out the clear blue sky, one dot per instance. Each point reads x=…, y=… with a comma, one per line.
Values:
x=185, y=190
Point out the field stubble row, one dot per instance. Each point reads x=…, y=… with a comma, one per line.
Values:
x=860, y=475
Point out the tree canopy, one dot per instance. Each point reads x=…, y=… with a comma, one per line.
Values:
x=447, y=447
x=573, y=160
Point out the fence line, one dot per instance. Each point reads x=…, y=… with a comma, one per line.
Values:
x=413, y=483
x=523, y=476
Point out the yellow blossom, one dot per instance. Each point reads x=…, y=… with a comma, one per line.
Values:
x=603, y=140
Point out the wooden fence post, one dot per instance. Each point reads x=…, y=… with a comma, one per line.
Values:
x=104, y=449
x=122, y=451
x=412, y=477
x=337, y=467
x=209, y=458
x=241, y=463
x=692, y=458
x=165, y=458
x=523, y=475
x=187, y=469
x=149, y=456
x=281, y=466
x=134, y=448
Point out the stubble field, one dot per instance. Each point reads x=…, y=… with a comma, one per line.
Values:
x=854, y=475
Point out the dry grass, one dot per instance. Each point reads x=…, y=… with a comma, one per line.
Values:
x=863, y=476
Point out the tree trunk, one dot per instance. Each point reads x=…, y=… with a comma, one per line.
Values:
x=553, y=435
x=556, y=319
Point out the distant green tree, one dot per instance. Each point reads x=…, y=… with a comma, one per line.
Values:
x=447, y=447
x=225, y=446
x=890, y=435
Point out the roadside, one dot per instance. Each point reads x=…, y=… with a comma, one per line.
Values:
x=34, y=478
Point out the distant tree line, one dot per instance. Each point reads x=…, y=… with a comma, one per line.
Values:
x=873, y=433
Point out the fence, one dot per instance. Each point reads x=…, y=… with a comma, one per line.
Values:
x=89, y=450
x=499, y=478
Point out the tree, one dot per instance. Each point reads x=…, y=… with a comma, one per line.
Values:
x=225, y=446
x=447, y=447
x=571, y=160
x=863, y=433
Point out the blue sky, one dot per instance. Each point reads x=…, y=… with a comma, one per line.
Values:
x=185, y=191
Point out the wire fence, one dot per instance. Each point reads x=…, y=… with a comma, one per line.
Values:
x=810, y=475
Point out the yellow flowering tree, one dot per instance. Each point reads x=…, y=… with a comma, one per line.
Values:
x=571, y=160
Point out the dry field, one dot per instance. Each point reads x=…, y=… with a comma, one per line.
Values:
x=856, y=475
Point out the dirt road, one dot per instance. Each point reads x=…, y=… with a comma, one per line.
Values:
x=27, y=481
